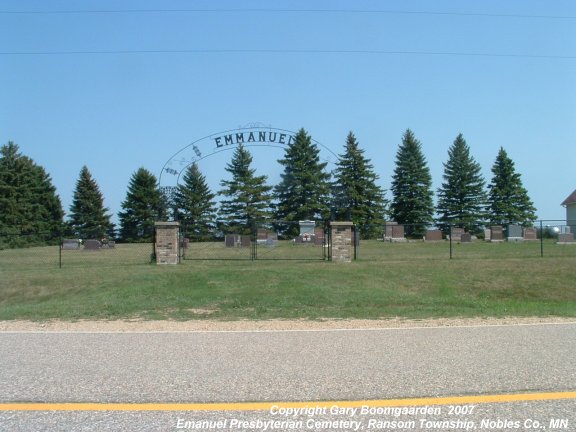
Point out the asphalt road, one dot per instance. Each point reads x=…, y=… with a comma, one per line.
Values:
x=308, y=366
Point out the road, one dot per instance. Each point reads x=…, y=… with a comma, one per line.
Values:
x=289, y=366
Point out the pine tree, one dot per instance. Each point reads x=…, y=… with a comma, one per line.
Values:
x=142, y=207
x=88, y=218
x=356, y=196
x=412, y=187
x=508, y=199
x=248, y=198
x=194, y=205
x=304, y=189
x=28, y=201
x=461, y=198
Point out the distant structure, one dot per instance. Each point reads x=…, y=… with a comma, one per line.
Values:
x=570, y=204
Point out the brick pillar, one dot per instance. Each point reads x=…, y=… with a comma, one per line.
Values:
x=167, y=242
x=342, y=244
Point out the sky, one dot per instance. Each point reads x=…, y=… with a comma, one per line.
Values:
x=119, y=85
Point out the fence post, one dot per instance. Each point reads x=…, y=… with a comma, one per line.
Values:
x=60, y=252
x=541, y=240
x=450, y=241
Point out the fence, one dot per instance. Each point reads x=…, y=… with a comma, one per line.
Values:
x=275, y=240
x=392, y=241
x=295, y=241
x=25, y=251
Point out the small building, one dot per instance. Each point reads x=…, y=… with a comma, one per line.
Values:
x=570, y=204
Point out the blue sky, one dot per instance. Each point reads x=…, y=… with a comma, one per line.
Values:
x=121, y=90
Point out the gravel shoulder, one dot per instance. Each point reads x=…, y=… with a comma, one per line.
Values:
x=137, y=325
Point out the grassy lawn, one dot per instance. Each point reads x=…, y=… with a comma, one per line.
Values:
x=413, y=280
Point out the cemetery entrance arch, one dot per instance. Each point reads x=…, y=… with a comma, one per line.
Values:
x=263, y=241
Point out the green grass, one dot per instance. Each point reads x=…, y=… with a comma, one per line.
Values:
x=413, y=280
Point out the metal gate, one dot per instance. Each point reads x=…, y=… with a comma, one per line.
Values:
x=277, y=240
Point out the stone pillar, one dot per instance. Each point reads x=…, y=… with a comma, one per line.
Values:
x=342, y=249
x=167, y=247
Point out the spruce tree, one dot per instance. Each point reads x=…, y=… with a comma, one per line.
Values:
x=30, y=210
x=304, y=190
x=412, y=187
x=194, y=205
x=247, y=198
x=88, y=218
x=461, y=198
x=356, y=196
x=508, y=199
x=142, y=207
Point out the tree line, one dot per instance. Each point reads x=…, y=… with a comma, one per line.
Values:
x=31, y=211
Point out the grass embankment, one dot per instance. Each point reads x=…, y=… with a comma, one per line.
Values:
x=410, y=280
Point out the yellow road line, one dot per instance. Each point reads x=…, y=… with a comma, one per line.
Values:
x=266, y=406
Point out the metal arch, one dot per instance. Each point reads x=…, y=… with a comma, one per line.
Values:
x=249, y=127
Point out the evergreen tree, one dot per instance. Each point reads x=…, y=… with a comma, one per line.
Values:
x=248, y=198
x=412, y=187
x=28, y=201
x=356, y=196
x=304, y=189
x=461, y=198
x=194, y=205
x=508, y=200
x=142, y=207
x=88, y=218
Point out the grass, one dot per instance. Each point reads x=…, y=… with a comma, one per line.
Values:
x=412, y=280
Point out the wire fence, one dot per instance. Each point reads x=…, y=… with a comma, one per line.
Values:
x=26, y=251
x=304, y=240
x=272, y=240
x=393, y=241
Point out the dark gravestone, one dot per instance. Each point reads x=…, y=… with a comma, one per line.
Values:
x=497, y=233
x=70, y=244
x=564, y=238
x=245, y=241
x=319, y=236
x=466, y=238
x=388, y=230
x=530, y=234
x=456, y=234
x=397, y=232
x=230, y=240
x=92, y=245
x=262, y=234
x=433, y=235
x=515, y=233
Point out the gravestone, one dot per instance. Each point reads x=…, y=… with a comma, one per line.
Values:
x=307, y=227
x=497, y=234
x=388, y=230
x=487, y=234
x=466, y=238
x=342, y=244
x=245, y=241
x=515, y=233
x=530, y=234
x=272, y=239
x=318, y=236
x=92, y=245
x=184, y=241
x=433, y=235
x=398, y=233
x=456, y=234
x=231, y=240
x=566, y=238
x=167, y=247
x=70, y=244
